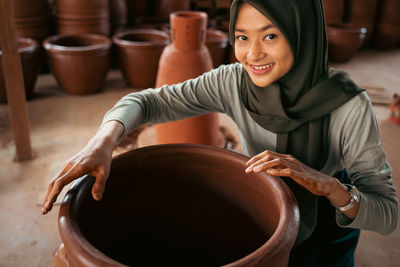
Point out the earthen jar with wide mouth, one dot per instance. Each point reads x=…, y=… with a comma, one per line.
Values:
x=344, y=40
x=179, y=205
x=30, y=62
x=79, y=62
x=139, y=52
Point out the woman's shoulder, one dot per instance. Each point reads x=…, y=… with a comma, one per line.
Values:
x=358, y=103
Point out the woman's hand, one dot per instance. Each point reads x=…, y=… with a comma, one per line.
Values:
x=277, y=164
x=94, y=159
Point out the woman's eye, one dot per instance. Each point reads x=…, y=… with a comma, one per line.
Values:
x=270, y=36
x=241, y=37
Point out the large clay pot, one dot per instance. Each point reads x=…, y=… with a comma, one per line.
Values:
x=139, y=52
x=89, y=16
x=79, y=62
x=334, y=11
x=179, y=205
x=29, y=52
x=344, y=40
x=187, y=57
x=217, y=44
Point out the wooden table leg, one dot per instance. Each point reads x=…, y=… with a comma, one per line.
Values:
x=14, y=81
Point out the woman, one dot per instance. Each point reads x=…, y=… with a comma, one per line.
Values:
x=298, y=119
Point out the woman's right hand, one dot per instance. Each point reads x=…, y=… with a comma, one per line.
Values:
x=94, y=159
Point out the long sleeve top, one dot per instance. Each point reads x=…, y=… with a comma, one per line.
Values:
x=354, y=141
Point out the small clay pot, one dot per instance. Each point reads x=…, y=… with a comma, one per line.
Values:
x=179, y=205
x=344, y=40
x=217, y=44
x=386, y=36
x=29, y=52
x=79, y=62
x=139, y=52
x=334, y=11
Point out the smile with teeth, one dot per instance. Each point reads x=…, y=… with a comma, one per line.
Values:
x=263, y=67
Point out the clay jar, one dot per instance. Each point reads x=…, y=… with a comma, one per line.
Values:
x=29, y=52
x=334, y=11
x=89, y=16
x=187, y=57
x=344, y=40
x=179, y=205
x=79, y=62
x=217, y=44
x=139, y=52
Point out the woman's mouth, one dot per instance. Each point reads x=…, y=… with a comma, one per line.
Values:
x=261, y=69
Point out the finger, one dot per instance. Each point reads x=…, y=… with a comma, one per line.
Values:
x=259, y=162
x=277, y=162
x=257, y=157
x=278, y=171
x=99, y=185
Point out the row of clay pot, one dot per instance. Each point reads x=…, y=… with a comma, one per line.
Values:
x=352, y=24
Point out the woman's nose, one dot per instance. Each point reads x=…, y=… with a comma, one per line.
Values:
x=256, y=51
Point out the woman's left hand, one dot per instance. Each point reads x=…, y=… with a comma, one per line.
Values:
x=286, y=165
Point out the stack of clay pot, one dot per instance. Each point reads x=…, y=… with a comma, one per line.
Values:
x=344, y=38
x=28, y=50
x=179, y=205
x=83, y=16
x=185, y=58
x=387, y=29
x=32, y=19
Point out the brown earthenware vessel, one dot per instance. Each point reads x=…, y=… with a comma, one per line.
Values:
x=187, y=57
x=344, y=40
x=139, y=52
x=79, y=62
x=334, y=11
x=29, y=52
x=179, y=205
x=217, y=44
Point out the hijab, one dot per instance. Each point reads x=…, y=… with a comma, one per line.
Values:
x=297, y=106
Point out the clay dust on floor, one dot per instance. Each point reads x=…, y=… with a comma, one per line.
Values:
x=62, y=124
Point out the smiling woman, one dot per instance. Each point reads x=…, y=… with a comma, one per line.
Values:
x=299, y=120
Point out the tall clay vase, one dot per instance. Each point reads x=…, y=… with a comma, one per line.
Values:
x=139, y=52
x=29, y=52
x=179, y=205
x=79, y=62
x=187, y=57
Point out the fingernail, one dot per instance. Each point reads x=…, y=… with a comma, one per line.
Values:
x=247, y=170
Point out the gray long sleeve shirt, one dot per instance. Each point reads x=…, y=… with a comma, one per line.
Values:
x=353, y=136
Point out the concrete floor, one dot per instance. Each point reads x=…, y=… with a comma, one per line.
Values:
x=62, y=124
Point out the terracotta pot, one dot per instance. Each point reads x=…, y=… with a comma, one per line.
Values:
x=344, y=40
x=217, y=44
x=29, y=51
x=139, y=52
x=163, y=8
x=187, y=57
x=386, y=36
x=180, y=205
x=118, y=14
x=79, y=62
x=95, y=26
x=82, y=8
x=334, y=11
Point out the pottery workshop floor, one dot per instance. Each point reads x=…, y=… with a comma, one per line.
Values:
x=62, y=124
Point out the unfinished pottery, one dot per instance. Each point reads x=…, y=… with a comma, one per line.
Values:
x=30, y=58
x=139, y=52
x=79, y=62
x=187, y=57
x=179, y=205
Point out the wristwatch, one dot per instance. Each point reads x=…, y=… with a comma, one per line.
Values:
x=354, y=198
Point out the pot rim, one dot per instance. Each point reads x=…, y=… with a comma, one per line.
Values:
x=104, y=45
x=273, y=246
x=32, y=47
x=117, y=38
x=188, y=14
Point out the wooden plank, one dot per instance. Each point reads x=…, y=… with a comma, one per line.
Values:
x=14, y=81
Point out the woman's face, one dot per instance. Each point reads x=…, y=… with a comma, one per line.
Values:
x=260, y=47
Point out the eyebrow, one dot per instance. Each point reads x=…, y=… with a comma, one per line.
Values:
x=260, y=30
